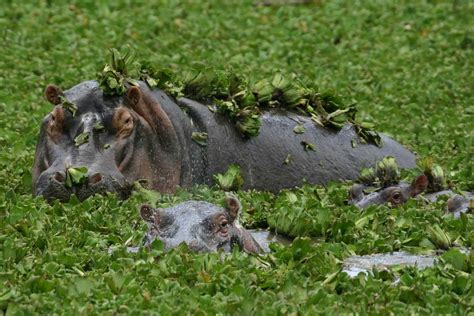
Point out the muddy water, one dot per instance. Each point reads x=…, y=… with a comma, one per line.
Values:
x=265, y=237
x=356, y=264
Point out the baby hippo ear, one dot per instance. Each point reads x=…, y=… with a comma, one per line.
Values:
x=419, y=185
x=148, y=214
x=232, y=206
x=53, y=94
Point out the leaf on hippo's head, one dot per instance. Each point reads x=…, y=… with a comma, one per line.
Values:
x=122, y=70
x=200, y=138
x=98, y=127
x=232, y=180
x=75, y=176
x=66, y=104
x=81, y=139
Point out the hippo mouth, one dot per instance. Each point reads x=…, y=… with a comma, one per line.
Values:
x=54, y=187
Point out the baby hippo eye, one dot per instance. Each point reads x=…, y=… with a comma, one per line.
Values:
x=224, y=223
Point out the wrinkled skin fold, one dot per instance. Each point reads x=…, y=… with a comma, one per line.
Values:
x=146, y=136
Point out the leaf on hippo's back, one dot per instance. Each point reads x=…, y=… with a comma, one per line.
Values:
x=75, y=176
x=232, y=180
x=299, y=129
x=353, y=143
x=367, y=176
x=308, y=146
x=249, y=125
x=263, y=90
x=66, y=104
x=81, y=139
x=387, y=171
x=340, y=116
x=366, y=134
x=288, y=159
x=200, y=138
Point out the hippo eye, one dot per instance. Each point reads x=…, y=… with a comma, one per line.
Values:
x=396, y=197
x=224, y=223
x=53, y=118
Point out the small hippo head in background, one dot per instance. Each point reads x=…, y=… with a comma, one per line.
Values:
x=361, y=196
x=203, y=226
x=112, y=138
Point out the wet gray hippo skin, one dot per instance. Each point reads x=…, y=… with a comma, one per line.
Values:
x=402, y=192
x=147, y=136
x=203, y=226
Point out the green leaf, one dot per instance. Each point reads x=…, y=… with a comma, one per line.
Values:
x=308, y=146
x=232, y=180
x=71, y=107
x=81, y=139
x=76, y=176
x=98, y=127
x=299, y=129
x=457, y=259
x=200, y=138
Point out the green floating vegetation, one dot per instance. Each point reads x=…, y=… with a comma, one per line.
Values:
x=232, y=180
x=240, y=98
x=386, y=173
x=434, y=173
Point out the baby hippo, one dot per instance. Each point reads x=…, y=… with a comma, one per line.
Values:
x=360, y=195
x=203, y=226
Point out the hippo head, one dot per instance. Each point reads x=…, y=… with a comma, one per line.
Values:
x=204, y=227
x=362, y=195
x=113, y=140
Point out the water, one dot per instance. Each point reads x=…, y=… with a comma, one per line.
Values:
x=265, y=237
x=356, y=264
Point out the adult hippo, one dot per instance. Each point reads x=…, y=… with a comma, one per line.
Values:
x=146, y=135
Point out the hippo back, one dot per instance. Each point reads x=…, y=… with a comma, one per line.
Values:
x=277, y=157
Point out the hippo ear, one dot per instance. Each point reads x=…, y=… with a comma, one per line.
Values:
x=134, y=95
x=232, y=206
x=148, y=214
x=53, y=94
x=419, y=185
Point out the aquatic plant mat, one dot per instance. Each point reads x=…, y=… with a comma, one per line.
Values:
x=408, y=66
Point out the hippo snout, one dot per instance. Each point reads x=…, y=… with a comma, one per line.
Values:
x=55, y=185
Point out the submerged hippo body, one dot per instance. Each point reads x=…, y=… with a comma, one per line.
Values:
x=203, y=226
x=148, y=136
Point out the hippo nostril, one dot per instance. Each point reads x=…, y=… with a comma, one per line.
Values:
x=95, y=178
x=59, y=177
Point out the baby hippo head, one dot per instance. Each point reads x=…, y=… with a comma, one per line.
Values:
x=203, y=226
x=363, y=196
